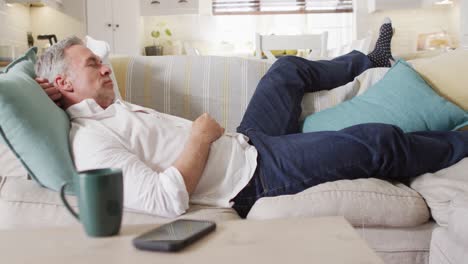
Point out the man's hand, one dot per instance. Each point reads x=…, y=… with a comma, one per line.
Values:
x=50, y=90
x=206, y=129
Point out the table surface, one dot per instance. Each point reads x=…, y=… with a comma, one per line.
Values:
x=307, y=240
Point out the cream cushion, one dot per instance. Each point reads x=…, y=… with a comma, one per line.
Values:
x=444, y=74
x=363, y=202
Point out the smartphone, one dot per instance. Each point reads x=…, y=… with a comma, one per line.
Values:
x=173, y=236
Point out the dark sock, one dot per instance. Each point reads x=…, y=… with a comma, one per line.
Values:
x=382, y=53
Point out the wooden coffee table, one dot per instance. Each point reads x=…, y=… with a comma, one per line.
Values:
x=309, y=240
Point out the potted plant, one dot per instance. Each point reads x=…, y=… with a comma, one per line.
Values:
x=161, y=36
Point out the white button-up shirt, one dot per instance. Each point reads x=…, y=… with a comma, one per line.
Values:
x=144, y=144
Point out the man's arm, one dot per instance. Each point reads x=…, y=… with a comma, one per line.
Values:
x=164, y=193
x=192, y=161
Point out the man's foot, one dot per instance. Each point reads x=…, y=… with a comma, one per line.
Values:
x=382, y=53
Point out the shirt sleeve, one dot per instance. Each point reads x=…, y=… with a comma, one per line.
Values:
x=159, y=193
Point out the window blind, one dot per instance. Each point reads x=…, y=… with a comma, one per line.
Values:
x=259, y=7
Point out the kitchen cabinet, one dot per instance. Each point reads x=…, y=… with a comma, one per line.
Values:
x=118, y=22
x=168, y=7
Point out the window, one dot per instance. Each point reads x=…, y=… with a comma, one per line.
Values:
x=261, y=7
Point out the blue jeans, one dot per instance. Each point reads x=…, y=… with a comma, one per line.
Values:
x=289, y=161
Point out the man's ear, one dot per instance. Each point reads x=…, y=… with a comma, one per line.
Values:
x=63, y=83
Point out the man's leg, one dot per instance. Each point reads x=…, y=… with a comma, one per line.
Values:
x=293, y=163
x=275, y=107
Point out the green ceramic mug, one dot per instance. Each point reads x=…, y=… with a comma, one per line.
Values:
x=100, y=201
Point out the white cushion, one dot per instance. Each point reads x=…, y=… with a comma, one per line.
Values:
x=440, y=188
x=458, y=219
x=363, y=202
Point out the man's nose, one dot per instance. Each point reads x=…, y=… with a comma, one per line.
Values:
x=105, y=70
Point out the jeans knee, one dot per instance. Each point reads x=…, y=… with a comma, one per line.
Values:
x=384, y=128
x=289, y=62
x=376, y=131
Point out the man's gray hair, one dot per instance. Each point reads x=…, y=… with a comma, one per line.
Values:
x=52, y=62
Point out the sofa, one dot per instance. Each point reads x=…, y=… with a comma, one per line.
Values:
x=396, y=220
x=449, y=244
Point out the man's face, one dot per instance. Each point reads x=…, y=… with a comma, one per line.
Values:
x=88, y=77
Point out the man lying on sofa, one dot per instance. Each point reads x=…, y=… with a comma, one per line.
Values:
x=167, y=161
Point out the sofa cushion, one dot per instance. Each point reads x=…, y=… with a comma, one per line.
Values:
x=441, y=187
x=25, y=204
x=440, y=73
x=401, y=98
x=363, y=202
x=33, y=126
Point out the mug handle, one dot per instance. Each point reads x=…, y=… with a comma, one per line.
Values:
x=64, y=200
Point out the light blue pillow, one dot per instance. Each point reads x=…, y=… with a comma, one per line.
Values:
x=401, y=98
x=34, y=128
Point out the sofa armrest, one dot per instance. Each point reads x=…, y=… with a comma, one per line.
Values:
x=458, y=219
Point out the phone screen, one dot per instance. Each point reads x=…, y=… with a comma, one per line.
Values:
x=177, y=230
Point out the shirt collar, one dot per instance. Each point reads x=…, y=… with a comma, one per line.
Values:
x=89, y=108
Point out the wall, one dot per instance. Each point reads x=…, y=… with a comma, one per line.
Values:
x=409, y=23
x=14, y=25
x=65, y=21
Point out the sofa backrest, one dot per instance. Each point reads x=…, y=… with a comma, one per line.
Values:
x=188, y=86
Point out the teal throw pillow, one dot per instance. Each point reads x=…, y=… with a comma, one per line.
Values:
x=401, y=98
x=34, y=128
